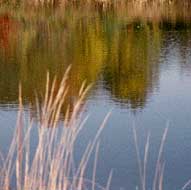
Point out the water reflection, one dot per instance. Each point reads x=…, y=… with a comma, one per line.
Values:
x=135, y=59
x=131, y=71
x=123, y=52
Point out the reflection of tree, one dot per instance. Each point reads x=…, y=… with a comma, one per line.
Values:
x=130, y=70
x=44, y=48
x=86, y=51
x=127, y=52
x=8, y=44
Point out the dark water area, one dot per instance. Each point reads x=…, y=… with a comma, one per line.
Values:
x=140, y=68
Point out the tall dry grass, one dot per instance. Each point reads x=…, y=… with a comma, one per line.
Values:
x=143, y=163
x=51, y=166
x=99, y=3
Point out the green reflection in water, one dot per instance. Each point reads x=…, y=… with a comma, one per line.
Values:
x=132, y=66
x=101, y=45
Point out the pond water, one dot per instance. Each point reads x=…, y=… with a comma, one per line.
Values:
x=140, y=67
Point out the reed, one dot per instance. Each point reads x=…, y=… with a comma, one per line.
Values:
x=95, y=3
x=143, y=163
x=52, y=164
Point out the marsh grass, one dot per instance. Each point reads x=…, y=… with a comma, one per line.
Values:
x=101, y=4
x=52, y=165
x=153, y=12
x=143, y=163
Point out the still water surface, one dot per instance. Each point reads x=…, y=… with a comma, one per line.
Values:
x=140, y=68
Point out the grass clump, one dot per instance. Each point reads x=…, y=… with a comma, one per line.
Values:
x=51, y=165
